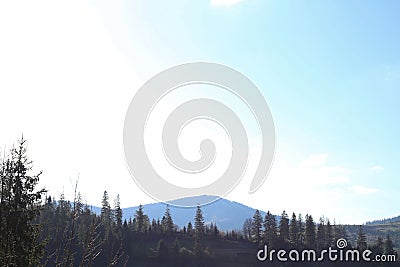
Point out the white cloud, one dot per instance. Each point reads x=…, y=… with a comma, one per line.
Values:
x=363, y=190
x=377, y=168
x=225, y=3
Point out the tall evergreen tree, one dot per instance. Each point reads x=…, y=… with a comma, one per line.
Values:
x=361, y=239
x=301, y=230
x=199, y=231
x=257, y=227
x=378, y=247
x=329, y=234
x=309, y=235
x=19, y=207
x=284, y=227
x=118, y=212
x=339, y=231
x=321, y=234
x=294, y=231
x=167, y=222
x=190, y=229
x=247, y=226
x=140, y=218
x=270, y=229
x=388, y=246
x=106, y=210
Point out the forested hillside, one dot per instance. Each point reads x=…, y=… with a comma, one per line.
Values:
x=36, y=230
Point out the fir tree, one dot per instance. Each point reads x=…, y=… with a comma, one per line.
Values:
x=329, y=234
x=190, y=229
x=309, y=235
x=294, y=231
x=247, y=226
x=140, y=218
x=19, y=207
x=118, y=212
x=388, y=246
x=270, y=229
x=361, y=239
x=199, y=231
x=257, y=227
x=284, y=227
x=106, y=210
x=167, y=222
x=321, y=234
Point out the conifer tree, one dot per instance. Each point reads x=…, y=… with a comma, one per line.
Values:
x=294, y=232
x=257, y=227
x=301, y=230
x=361, y=239
x=247, y=226
x=199, y=231
x=379, y=248
x=321, y=234
x=329, y=234
x=167, y=222
x=190, y=229
x=309, y=235
x=19, y=207
x=140, y=219
x=106, y=210
x=118, y=212
x=284, y=227
x=388, y=246
x=270, y=229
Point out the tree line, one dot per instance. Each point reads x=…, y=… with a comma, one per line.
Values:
x=40, y=230
x=296, y=233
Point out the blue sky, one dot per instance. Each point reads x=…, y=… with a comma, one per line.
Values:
x=330, y=71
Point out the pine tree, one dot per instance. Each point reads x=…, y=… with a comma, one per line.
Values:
x=379, y=248
x=140, y=218
x=361, y=239
x=388, y=246
x=294, y=231
x=247, y=226
x=284, y=227
x=199, y=231
x=321, y=234
x=309, y=236
x=301, y=230
x=329, y=234
x=190, y=229
x=339, y=231
x=118, y=213
x=257, y=227
x=19, y=207
x=106, y=210
x=167, y=222
x=270, y=229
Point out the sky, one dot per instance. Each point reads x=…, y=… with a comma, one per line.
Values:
x=329, y=70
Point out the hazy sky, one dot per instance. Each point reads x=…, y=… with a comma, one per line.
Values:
x=330, y=71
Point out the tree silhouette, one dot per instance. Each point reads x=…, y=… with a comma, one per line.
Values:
x=19, y=207
x=257, y=227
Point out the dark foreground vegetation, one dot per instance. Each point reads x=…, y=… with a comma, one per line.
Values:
x=38, y=230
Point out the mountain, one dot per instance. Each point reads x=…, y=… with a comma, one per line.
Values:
x=228, y=215
x=385, y=221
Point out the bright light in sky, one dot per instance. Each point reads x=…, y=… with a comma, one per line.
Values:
x=330, y=73
x=225, y=3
